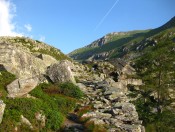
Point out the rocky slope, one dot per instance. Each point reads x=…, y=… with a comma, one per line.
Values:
x=126, y=45
x=33, y=63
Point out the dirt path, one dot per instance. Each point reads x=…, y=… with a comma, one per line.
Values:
x=71, y=124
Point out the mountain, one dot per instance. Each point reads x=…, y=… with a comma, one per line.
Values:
x=126, y=45
x=41, y=89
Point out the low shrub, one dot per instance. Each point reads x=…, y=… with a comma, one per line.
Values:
x=71, y=90
x=53, y=100
x=29, y=107
x=65, y=104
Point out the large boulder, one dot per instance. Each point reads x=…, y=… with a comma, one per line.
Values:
x=2, y=108
x=23, y=63
x=60, y=72
x=20, y=87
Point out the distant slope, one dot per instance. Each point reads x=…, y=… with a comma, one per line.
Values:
x=120, y=44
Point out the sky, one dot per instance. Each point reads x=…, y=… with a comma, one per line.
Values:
x=71, y=24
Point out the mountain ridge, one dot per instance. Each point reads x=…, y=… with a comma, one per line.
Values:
x=117, y=43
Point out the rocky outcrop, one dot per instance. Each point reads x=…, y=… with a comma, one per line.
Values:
x=30, y=68
x=60, y=72
x=100, y=56
x=2, y=108
x=21, y=87
x=22, y=63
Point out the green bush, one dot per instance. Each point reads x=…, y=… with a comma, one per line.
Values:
x=71, y=90
x=29, y=107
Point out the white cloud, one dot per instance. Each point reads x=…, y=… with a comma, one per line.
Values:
x=42, y=38
x=7, y=13
x=28, y=27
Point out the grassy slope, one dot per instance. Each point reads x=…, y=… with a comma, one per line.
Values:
x=52, y=100
x=115, y=44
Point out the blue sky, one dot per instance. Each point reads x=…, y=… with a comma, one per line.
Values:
x=71, y=24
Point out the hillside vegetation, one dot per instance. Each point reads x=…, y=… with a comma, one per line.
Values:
x=155, y=102
x=50, y=101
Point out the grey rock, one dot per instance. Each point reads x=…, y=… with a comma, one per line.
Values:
x=115, y=96
x=98, y=105
x=21, y=62
x=97, y=121
x=97, y=115
x=89, y=114
x=115, y=112
x=60, y=72
x=104, y=115
x=82, y=87
x=41, y=117
x=21, y=87
x=113, y=90
x=26, y=122
x=105, y=101
x=118, y=105
x=131, y=128
x=128, y=107
x=109, y=81
x=136, y=82
x=2, y=108
x=115, y=122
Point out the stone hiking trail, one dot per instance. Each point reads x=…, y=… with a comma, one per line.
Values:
x=111, y=107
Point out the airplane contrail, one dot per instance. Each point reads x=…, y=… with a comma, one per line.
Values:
x=102, y=20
